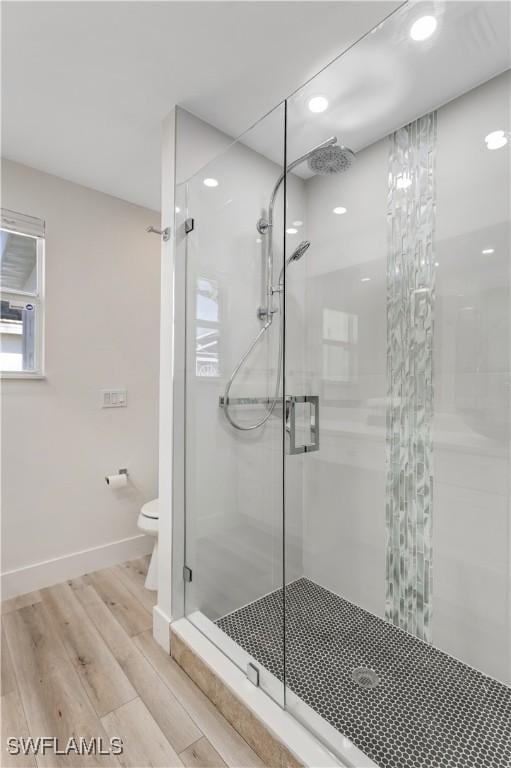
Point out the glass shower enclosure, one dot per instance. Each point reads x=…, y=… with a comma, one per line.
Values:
x=342, y=523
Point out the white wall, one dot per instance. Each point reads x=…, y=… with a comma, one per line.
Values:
x=472, y=356
x=102, y=330
x=344, y=497
x=165, y=607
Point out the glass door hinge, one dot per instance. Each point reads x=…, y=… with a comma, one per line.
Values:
x=189, y=225
x=253, y=673
x=187, y=573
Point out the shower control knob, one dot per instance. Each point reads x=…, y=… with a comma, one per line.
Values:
x=263, y=313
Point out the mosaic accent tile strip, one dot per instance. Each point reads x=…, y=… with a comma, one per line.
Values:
x=429, y=710
x=410, y=311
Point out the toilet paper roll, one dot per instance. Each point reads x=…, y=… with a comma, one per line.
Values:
x=116, y=481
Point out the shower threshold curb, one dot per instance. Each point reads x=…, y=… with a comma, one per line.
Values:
x=276, y=736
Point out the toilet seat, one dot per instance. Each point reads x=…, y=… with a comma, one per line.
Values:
x=148, y=522
x=151, y=509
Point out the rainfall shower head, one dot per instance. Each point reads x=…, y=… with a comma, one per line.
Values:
x=299, y=251
x=324, y=159
x=331, y=159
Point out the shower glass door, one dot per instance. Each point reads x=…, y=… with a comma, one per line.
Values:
x=233, y=471
x=397, y=357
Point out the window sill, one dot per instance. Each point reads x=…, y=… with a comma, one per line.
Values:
x=4, y=376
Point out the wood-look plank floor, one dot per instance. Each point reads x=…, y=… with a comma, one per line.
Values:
x=79, y=660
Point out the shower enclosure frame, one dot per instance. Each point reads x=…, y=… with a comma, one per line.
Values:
x=182, y=226
x=333, y=748
x=273, y=693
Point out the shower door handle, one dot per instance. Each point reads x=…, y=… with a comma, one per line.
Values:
x=312, y=424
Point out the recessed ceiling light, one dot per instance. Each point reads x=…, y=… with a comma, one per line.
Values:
x=210, y=183
x=318, y=104
x=339, y=210
x=297, y=223
x=364, y=279
x=423, y=28
x=178, y=209
x=495, y=140
x=291, y=231
x=437, y=263
x=488, y=250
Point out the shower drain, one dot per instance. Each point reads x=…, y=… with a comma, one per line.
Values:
x=365, y=677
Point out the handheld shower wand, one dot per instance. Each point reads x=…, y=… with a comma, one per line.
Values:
x=297, y=254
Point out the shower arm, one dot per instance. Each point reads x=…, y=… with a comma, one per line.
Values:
x=265, y=227
x=263, y=224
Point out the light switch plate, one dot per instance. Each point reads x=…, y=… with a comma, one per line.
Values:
x=114, y=398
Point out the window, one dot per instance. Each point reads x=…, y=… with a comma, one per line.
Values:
x=21, y=286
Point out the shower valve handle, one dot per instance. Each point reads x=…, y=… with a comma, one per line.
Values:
x=264, y=314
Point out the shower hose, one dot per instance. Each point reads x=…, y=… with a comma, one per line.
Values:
x=264, y=329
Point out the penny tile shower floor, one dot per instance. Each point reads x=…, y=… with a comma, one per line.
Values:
x=428, y=709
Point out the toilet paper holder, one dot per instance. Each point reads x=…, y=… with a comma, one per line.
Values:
x=119, y=472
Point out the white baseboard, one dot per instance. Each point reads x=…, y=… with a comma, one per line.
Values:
x=49, y=572
x=161, y=628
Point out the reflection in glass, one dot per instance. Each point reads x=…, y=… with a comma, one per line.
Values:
x=207, y=351
x=340, y=330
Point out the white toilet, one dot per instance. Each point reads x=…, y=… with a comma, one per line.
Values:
x=148, y=523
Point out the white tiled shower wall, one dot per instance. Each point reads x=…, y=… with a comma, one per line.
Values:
x=344, y=483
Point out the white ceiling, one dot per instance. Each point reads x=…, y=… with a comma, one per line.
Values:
x=85, y=85
x=387, y=79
